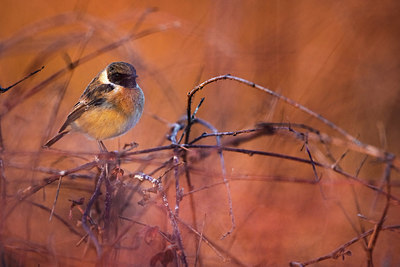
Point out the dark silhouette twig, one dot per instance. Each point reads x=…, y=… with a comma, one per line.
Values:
x=379, y=224
x=85, y=215
x=3, y=90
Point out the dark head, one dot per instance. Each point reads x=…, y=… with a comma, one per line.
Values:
x=122, y=73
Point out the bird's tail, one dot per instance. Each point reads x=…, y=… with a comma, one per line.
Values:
x=55, y=139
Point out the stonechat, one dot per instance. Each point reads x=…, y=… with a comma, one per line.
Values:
x=111, y=105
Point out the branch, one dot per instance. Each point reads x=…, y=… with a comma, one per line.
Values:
x=3, y=90
x=341, y=251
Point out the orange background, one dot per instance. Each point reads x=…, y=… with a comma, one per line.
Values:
x=338, y=58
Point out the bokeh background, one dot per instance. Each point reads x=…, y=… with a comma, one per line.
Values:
x=338, y=58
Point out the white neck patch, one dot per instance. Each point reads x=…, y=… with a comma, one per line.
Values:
x=104, y=79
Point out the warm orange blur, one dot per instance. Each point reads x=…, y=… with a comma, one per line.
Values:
x=338, y=58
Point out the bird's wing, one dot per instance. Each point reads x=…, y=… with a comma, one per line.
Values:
x=90, y=98
x=78, y=110
x=96, y=90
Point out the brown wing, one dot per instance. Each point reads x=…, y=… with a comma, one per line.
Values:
x=79, y=109
x=96, y=90
x=90, y=98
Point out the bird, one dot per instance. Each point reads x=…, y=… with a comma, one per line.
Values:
x=111, y=105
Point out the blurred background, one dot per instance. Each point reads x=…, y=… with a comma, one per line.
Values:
x=338, y=58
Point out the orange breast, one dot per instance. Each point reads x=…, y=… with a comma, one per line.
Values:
x=119, y=113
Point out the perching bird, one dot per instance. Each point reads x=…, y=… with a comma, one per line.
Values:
x=111, y=105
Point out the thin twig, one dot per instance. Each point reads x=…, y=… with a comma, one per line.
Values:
x=271, y=154
x=232, y=133
x=371, y=149
x=225, y=180
x=27, y=192
x=107, y=204
x=85, y=215
x=2, y=148
x=200, y=241
x=342, y=250
x=275, y=94
x=357, y=203
x=378, y=225
x=177, y=233
x=55, y=198
x=283, y=156
x=305, y=137
x=172, y=217
x=3, y=183
x=217, y=249
x=178, y=191
x=264, y=153
x=58, y=217
x=3, y=90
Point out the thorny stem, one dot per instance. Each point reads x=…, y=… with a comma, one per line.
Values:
x=107, y=205
x=178, y=191
x=176, y=127
x=86, y=214
x=379, y=224
x=177, y=233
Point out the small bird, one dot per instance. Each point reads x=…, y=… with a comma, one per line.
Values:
x=111, y=105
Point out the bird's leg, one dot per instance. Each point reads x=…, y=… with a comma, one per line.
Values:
x=102, y=147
